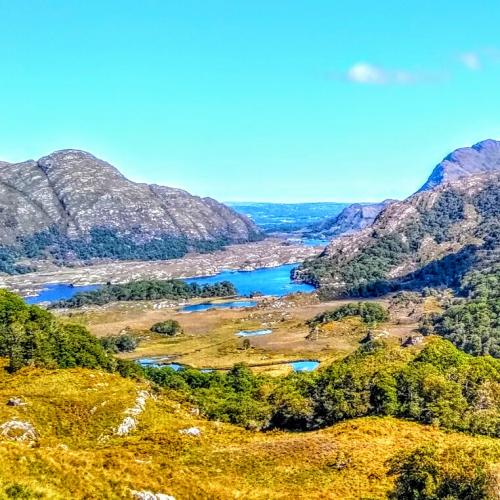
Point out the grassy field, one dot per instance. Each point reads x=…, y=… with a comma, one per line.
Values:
x=77, y=456
x=209, y=339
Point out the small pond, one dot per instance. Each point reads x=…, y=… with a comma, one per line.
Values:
x=234, y=304
x=253, y=333
x=304, y=365
x=159, y=362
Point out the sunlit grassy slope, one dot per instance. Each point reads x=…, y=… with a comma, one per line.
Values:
x=75, y=410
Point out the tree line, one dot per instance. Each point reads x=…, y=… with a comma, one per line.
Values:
x=147, y=290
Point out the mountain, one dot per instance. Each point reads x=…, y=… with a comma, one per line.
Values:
x=72, y=196
x=483, y=157
x=431, y=238
x=353, y=218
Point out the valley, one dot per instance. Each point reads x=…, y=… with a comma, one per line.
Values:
x=210, y=338
x=286, y=366
x=249, y=250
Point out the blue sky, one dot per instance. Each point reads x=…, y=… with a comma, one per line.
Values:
x=273, y=100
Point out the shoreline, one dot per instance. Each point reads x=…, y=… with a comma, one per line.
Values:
x=247, y=257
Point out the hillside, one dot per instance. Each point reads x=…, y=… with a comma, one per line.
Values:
x=76, y=422
x=353, y=218
x=76, y=413
x=431, y=238
x=73, y=205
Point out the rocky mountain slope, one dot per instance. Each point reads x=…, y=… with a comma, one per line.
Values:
x=431, y=238
x=483, y=157
x=353, y=218
x=69, y=195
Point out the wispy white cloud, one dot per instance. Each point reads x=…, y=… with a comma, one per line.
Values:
x=471, y=60
x=479, y=59
x=369, y=74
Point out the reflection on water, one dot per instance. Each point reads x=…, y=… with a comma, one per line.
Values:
x=234, y=304
x=253, y=333
x=305, y=366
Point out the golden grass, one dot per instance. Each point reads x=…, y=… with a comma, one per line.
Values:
x=346, y=461
x=210, y=341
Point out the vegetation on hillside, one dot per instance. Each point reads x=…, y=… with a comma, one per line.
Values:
x=368, y=272
x=370, y=313
x=30, y=335
x=102, y=243
x=473, y=324
x=147, y=290
x=440, y=385
x=73, y=409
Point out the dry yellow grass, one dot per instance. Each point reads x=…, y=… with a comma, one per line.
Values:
x=72, y=408
x=210, y=341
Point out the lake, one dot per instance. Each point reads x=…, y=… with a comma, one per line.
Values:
x=267, y=281
x=58, y=291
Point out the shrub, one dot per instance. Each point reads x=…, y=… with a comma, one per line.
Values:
x=431, y=474
x=120, y=343
x=168, y=327
x=370, y=312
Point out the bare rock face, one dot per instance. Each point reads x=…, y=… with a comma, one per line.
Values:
x=353, y=218
x=483, y=157
x=76, y=192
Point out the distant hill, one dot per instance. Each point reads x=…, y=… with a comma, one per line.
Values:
x=75, y=205
x=353, y=218
x=431, y=238
x=287, y=217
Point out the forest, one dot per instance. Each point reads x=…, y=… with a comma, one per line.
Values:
x=147, y=290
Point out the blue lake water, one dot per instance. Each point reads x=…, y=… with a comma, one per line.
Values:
x=253, y=333
x=159, y=362
x=233, y=304
x=267, y=281
x=59, y=291
x=304, y=366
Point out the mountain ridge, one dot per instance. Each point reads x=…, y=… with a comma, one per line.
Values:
x=431, y=238
x=482, y=157
x=72, y=194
